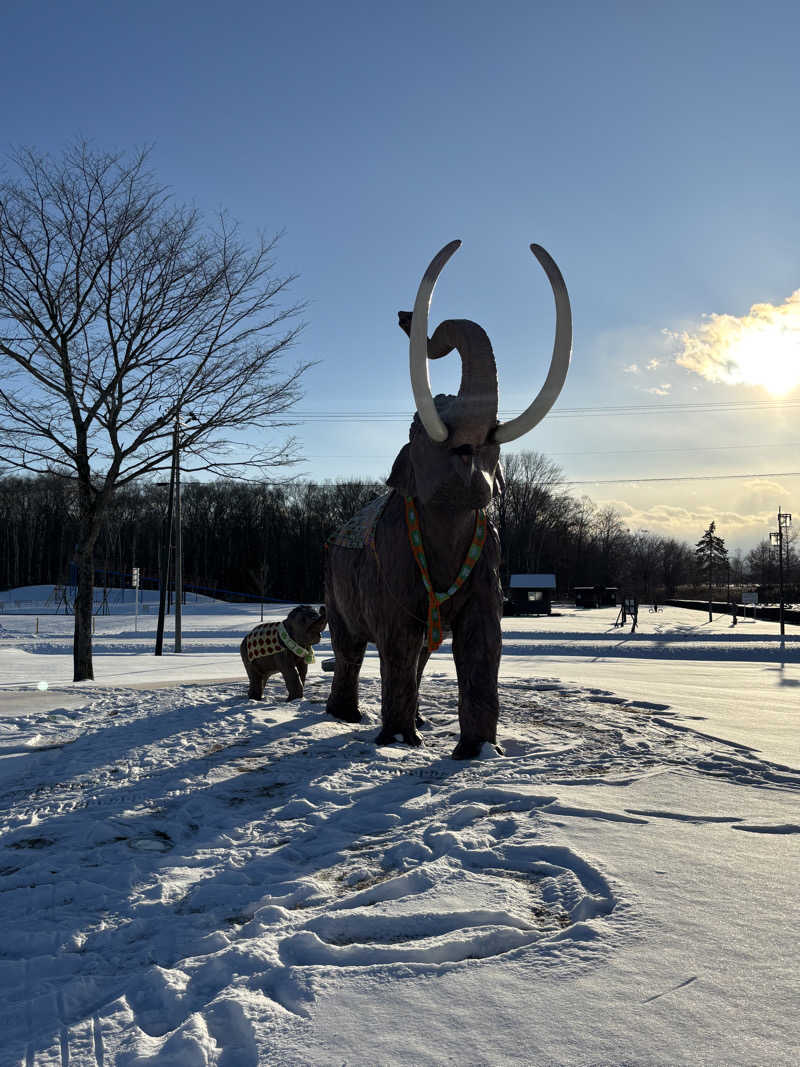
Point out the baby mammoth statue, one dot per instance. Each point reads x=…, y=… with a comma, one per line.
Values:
x=285, y=647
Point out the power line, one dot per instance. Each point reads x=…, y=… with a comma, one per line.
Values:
x=585, y=452
x=567, y=413
x=301, y=482
x=679, y=478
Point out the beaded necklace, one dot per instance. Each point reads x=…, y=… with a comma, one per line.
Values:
x=304, y=653
x=435, y=599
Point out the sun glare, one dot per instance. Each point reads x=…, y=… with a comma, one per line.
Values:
x=761, y=348
x=768, y=356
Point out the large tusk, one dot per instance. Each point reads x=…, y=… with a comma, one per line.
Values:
x=559, y=364
x=418, y=347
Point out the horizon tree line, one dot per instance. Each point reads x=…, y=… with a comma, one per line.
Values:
x=251, y=539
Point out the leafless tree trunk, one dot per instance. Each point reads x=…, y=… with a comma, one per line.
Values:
x=118, y=311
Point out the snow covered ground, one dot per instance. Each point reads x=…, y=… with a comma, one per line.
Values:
x=188, y=877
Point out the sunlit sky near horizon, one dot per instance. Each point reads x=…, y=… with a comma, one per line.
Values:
x=652, y=149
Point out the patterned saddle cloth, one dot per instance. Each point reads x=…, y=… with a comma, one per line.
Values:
x=272, y=637
x=360, y=530
x=264, y=641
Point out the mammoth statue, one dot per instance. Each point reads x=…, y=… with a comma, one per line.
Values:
x=422, y=561
x=282, y=647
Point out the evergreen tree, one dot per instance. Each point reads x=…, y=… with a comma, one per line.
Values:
x=711, y=558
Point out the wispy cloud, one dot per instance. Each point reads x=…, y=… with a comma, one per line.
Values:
x=759, y=348
x=678, y=521
x=632, y=368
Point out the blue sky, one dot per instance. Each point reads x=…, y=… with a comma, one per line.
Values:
x=652, y=149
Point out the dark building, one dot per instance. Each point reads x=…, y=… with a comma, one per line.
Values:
x=530, y=594
x=595, y=596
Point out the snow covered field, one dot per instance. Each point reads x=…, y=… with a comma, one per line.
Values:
x=188, y=877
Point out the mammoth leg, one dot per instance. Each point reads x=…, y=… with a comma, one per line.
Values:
x=349, y=652
x=294, y=684
x=399, y=695
x=423, y=659
x=255, y=689
x=477, y=643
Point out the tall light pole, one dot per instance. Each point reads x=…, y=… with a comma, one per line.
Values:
x=178, y=537
x=166, y=554
x=176, y=460
x=776, y=540
x=174, y=515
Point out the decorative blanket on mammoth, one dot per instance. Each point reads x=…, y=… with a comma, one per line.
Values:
x=360, y=530
x=271, y=637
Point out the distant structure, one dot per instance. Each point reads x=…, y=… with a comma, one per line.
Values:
x=530, y=594
x=596, y=596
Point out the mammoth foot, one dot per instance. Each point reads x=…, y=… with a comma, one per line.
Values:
x=471, y=749
x=343, y=712
x=391, y=736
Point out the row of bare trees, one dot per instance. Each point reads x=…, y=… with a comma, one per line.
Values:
x=260, y=538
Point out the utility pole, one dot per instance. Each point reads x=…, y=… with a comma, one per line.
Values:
x=166, y=549
x=178, y=538
x=776, y=539
x=135, y=584
x=175, y=492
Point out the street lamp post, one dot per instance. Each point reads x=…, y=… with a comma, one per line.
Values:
x=178, y=537
x=166, y=553
x=174, y=495
x=776, y=540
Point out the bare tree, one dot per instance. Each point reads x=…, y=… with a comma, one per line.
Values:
x=760, y=566
x=609, y=535
x=643, y=552
x=675, y=562
x=530, y=506
x=121, y=312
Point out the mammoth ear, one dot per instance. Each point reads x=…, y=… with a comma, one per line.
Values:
x=402, y=477
x=499, y=481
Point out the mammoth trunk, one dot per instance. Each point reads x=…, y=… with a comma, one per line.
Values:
x=477, y=393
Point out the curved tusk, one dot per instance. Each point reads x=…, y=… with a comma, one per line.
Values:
x=559, y=364
x=418, y=346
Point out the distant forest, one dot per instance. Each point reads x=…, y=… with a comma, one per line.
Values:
x=251, y=539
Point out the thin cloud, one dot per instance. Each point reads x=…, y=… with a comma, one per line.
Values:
x=760, y=348
x=682, y=522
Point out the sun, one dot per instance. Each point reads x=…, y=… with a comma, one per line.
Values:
x=766, y=355
x=761, y=348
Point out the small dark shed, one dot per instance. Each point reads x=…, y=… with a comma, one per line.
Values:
x=595, y=596
x=530, y=594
